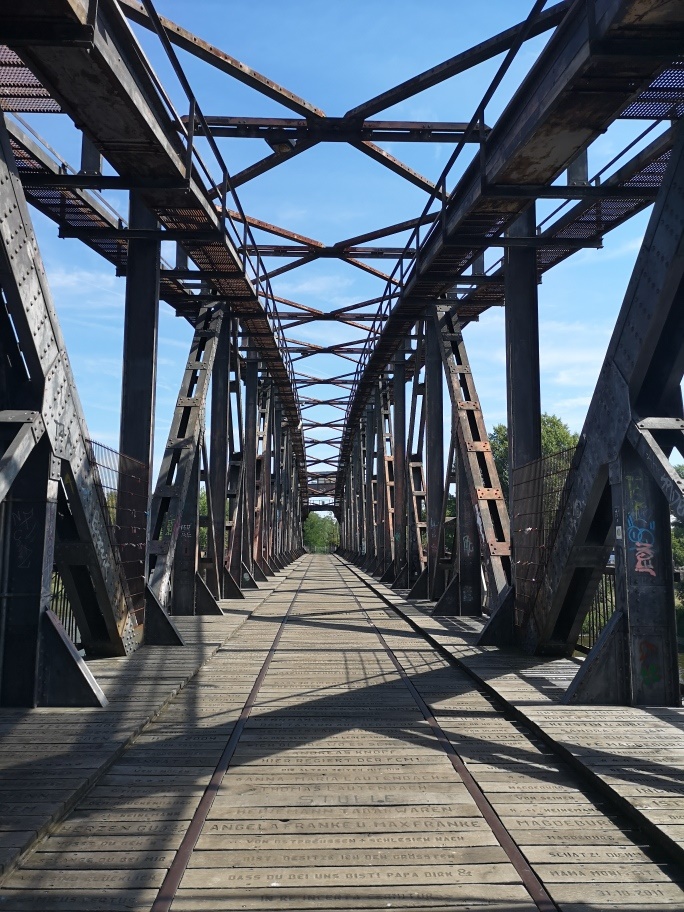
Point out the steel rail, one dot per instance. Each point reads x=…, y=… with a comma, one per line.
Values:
x=174, y=875
x=530, y=881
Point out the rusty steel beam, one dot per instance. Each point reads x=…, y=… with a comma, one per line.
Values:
x=117, y=101
x=205, y=51
x=540, y=134
x=393, y=164
x=337, y=251
x=475, y=55
x=276, y=130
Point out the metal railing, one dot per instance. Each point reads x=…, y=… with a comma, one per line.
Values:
x=540, y=490
x=237, y=230
x=121, y=484
x=602, y=608
x=438, y=197
x=60, y=604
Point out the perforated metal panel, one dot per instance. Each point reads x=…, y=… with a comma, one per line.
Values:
x=20, y=91
x=663, y=99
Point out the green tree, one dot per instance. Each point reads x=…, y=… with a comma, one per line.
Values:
x=555, y=435
x=678, y=535
x=321, y=532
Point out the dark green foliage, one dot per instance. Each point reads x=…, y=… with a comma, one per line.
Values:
x=321, y=532
x=678, y=536
x=555, y=434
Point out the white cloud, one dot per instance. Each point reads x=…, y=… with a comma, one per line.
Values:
x=323, y=285
x=85, y=281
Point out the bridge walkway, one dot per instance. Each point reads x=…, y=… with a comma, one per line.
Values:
x=326, y=756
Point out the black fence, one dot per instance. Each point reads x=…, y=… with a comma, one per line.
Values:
x=540, y=492
x=59, y=603
x=602, y=607
x=122, y=487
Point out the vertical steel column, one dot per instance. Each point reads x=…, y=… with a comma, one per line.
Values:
x=186, y=558
x=141, y=317
x=434, y=436
x=263, y=475
x=467, y=545
x=522, y=355
x=359, y=500
x=362, y=491
x=578, y=170
x=28, y=541
x=643, y=581
x=288, y=505
x=91, y=159
x=139, y=375
x=370, y=511
x=250, y=453
x=400, y=502
x=415, y=521
x=522, y=346
x=218, y=441
x=266, y=489
x=349, y=545
x=278, y=482
x=381, y=517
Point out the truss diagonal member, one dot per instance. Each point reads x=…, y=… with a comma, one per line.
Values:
x=182, y=449
x=395, y=165
x=387, y=231
x=268, y=163
x=185, y=40
x=641, y=373
x=643, y=437
x=295, y=264
x=472, y=57
x=371, y=270
x=30, y=429
x=31, y=309
x=475, y=455
x=275, y=229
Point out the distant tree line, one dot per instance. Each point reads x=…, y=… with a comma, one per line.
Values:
x=555, y=436
x=321, y=532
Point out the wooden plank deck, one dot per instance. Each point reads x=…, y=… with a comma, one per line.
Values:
x=327, y=757
x=49, y=758
x=635, y=756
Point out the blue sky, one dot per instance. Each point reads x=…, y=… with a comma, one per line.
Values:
x=337, y=55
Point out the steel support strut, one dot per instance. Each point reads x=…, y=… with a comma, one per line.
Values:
x=219, y=456
x=434, y=438
x=400, y=578
x=178, y=482
x=51, y=462
x=610, y=500
x=522, y=347
x=138, y=384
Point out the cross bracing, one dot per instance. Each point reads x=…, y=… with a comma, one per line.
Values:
x=276, y=415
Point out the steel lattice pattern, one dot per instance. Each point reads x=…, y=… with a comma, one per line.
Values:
x=664, y=98
x=20, y=91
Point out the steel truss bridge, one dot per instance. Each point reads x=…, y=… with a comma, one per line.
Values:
x=101, y=561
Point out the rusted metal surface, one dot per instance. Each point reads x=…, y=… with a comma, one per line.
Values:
x=132, y=125
x=543, y=128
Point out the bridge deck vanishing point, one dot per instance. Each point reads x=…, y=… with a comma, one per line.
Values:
x=316, y=752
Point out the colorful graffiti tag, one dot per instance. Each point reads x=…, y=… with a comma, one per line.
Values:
x=649, y=663
x=641, y=538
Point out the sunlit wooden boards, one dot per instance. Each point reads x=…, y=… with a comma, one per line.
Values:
x=49, y=758
x=339, y=795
